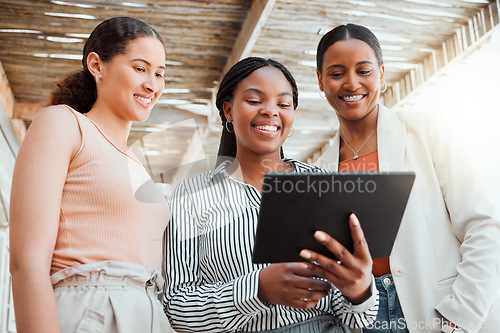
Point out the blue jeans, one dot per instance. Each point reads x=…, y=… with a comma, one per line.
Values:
x=319, y=324
x=390, y=317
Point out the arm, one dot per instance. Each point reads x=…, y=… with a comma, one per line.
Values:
x=191, y=304
x=38, y=180
x=351, y=274
x=475, y=223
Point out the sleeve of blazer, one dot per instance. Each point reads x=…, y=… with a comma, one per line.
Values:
x=476, y=224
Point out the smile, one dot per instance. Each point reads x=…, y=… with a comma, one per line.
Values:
x=269, y=128
x=143, y=99
x=353, y=98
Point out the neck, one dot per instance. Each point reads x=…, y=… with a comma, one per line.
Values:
x=115, y=128
x=251, y=167
x=356, y=131
x=359, y=136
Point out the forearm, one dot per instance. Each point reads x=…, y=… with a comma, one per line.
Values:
x=475, y=221
x=471, y=296
x=34, y=302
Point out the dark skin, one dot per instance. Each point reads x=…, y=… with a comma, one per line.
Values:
x=352, y=273
x=264, y=98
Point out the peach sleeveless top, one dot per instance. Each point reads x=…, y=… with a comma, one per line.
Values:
x=110, y=207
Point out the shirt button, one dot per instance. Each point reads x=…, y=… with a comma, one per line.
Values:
x=387, y=281
x=398, y=271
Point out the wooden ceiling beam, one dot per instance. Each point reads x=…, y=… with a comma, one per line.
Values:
x=250, y=30
x=26, y=110
x=6, y=94
x=7, y=103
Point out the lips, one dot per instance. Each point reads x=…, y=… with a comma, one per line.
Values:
x=352, y=98
x=144, y=100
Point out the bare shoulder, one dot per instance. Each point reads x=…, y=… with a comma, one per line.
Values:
x=56, y=115
x=55, y=125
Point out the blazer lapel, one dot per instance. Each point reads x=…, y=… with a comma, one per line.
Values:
x=330, y=158
x=391, y=140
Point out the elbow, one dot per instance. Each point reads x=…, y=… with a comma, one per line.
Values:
x=34, y=266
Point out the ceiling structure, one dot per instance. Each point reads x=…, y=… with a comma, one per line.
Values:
x=41, y=41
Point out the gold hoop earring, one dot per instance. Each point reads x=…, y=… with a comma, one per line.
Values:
x=384, y=85
x=227, y=128
x=322, y=96
x=292, y=130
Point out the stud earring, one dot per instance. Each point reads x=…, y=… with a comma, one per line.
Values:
x=292, y=132
x=322, y=96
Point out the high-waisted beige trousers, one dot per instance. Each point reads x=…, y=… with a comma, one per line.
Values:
x=109, y=297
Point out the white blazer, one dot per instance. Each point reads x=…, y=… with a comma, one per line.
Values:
x=446, y=257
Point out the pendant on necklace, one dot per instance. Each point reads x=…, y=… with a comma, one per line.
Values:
x=355, y=157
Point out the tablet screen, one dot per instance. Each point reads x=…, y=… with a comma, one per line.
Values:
x=295, y=205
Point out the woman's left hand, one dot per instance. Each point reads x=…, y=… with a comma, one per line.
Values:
x=351, y=274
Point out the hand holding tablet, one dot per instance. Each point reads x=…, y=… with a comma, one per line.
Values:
x=295, y=205
x=351, y=273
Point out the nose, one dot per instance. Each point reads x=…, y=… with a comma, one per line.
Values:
x=152, y=84
x=269, y=109
x=351, y=82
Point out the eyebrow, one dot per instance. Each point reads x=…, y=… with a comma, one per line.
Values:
x=146, y=62
x=260, y=92
x=342, y=66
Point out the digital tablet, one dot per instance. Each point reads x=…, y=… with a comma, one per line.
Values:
x=295, y=205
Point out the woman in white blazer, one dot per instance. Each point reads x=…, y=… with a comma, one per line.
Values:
x=444, y=270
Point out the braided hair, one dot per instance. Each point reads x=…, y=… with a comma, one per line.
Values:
x=109, y=38
x=239, y=71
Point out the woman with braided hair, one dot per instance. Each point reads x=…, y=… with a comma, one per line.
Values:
x=212, y=284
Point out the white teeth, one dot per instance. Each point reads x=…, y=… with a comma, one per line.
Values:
x=267, y=128
x=144, y=100
x=352, y=98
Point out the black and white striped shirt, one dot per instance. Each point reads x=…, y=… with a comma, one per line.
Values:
x=212, y=284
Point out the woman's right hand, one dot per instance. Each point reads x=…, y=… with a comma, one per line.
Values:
x=292, y=284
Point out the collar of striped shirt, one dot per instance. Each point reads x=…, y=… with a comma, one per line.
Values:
x=298, y=166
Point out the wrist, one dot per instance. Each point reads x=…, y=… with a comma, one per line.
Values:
x=361, y=298
x=261, y=294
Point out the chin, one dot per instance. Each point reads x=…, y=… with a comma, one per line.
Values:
x=268, y=150
x=142, y=117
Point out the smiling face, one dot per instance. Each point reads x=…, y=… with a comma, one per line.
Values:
x=261, y=111
x=132, y=82
x=351, y=79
